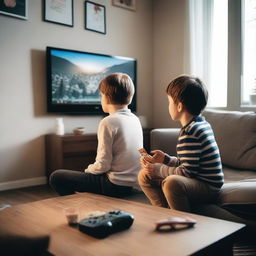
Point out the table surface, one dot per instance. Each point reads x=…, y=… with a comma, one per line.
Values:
x=46, y=217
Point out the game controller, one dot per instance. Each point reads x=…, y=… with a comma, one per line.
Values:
x=143, y=152
x=104, y=225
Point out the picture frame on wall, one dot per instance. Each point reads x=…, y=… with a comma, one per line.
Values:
x=14, y=8
x=59, y=12
x=95, y=17
x=127, y=4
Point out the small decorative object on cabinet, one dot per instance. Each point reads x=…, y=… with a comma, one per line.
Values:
x=59, y=126
x=79, y=131
x=75, y=152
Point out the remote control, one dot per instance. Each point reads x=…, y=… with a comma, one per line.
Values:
x=143, y=152
x=104, y=225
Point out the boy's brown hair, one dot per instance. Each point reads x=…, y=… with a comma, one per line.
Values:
x=118, y=87
x=190, y=91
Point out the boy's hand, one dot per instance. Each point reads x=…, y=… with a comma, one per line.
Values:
x=149, y=167
x=146, y=164
x=158, y=156
x=144, y=154
x=147, y=161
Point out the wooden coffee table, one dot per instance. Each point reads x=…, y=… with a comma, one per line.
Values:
x=45, y=217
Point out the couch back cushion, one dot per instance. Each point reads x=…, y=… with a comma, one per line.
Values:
x=235, y=133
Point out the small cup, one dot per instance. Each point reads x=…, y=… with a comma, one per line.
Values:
x=79, y=131
x=72, y=215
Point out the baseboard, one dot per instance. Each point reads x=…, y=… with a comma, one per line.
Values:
x=23, y=183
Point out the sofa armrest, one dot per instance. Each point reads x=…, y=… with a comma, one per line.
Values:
x=164, y=139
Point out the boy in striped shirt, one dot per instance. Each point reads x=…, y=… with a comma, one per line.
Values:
x=195, y=176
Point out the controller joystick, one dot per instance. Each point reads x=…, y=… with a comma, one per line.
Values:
x=107, y=224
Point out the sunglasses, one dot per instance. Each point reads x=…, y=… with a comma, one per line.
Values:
x=174, y=223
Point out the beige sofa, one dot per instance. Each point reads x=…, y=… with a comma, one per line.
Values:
x=235, y=133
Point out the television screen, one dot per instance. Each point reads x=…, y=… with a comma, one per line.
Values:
x=73, y=78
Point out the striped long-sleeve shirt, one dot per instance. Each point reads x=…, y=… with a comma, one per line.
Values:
x=198, y=153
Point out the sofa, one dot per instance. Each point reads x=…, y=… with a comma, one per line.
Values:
x=235, y=133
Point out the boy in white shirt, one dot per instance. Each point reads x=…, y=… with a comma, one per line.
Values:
x=115, y=170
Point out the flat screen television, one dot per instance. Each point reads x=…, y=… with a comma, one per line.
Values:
x=73, y=78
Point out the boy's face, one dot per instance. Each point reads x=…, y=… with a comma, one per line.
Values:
x=174, y=108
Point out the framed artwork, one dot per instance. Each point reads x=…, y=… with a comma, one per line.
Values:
x=127, y=4
x=59, y=12
x=95, y=17
x=15, y=8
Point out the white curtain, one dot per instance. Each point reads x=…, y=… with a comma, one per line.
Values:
x=200, y=17
x=208, y=47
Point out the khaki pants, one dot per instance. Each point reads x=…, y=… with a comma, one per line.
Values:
x=175, y=191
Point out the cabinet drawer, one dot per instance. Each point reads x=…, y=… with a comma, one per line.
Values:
x=79, y=146
x=78, y=163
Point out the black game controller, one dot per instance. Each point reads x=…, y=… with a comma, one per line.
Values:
x=104, y=225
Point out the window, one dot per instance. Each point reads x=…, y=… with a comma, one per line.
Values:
x=248, y=93
x=209, y=47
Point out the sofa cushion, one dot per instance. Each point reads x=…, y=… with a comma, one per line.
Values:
x=235, y=133
x=233, y=175
x=165, y=140
x=239, y=198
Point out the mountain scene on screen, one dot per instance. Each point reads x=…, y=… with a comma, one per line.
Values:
x=71, y=84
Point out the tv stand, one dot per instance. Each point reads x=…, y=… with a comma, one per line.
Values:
x=75, y=152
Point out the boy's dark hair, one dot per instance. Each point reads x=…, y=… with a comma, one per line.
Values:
x=190, y=91
x=118, y=87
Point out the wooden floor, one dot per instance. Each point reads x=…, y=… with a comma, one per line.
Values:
x=30, y=194
x=26, y=195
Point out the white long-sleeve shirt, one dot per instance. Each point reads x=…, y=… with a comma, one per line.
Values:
x=119, y=138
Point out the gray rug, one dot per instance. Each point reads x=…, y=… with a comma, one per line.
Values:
x=244, y=249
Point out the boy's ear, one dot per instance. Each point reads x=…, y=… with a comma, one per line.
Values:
x=108, y=100
x=180, y=106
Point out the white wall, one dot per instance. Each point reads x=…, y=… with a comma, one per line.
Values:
x=170, y=53
x=24, y=120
